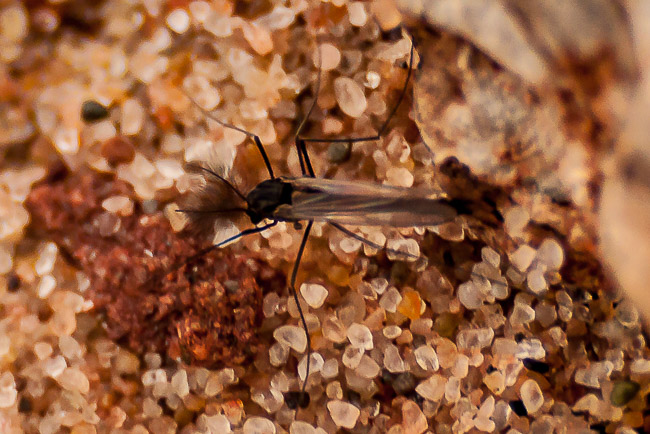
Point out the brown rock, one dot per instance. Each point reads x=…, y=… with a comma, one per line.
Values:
x=206, y=311
x=118, y=149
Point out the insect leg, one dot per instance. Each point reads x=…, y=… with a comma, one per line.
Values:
x=255, y=138
x=207, y=250
x=366, y=241
x=303, y=401
x=303, y=157
x=386, y=122
x=245, y=232
x=302, y=150
x=351, y=234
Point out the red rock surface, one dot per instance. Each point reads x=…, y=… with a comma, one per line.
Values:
x=206, y=311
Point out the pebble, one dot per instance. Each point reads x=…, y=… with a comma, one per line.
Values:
x=344, y=414
x=413, y=420
x=523, y=257
x=14, y=23
x=470, y=295
x=392, y=331
x=118, y=150
x=46, y=286
x=300, y=427
x=216, y=424
x=399, y=177
x=45, y=262
x=66, y=140
x=334, y=330
x=531, y=396
x=372, y=80
x=411, y=305
x=360, y=336
x=550, y=253
x=426, y=358
x=279, y=18
x=330, y=57
x=120, y=205
x=623, y=392
x=357, y=14
x=330, y=368
x=390, y=300
x=178, y=20
x=278, y=354
x=169, y=168
x=545, y=313
x=432, y=388
x=218, y=25
x=200, y=10
x=368, y=368
x=258, y=38
x=349, y=245
x=489, y=255
x=521, y=315
x=291, y=336
x=70, y=348
x=334, y=390
x=352, y=357
x=592, y=375
x=350, y=97
x=43, y=350
x=125, y=362
x=482, y=421
x=314, y=294
x=270, y=400
x=640, y=366
x=392, y=360
x=452, y=389
x=74, y=380
x=8, y=392
x=515, y=220
x=6, y=260
x=461, y=366
x=379, y=285
x=132, y=117
x=179, y=383
x=213, y=386
x=408, y=246
x=536, y=281
x=259, y=425
x=315, y=365
x=473, y=339
x=201, y=91
x=530, y=348
x=92, y=111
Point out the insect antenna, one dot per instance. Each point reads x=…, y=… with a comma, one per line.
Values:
x=255, y=137
x=199, y=168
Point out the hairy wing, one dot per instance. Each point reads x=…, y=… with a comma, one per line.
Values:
x=364, y=204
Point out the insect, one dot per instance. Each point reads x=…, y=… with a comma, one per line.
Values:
x=308, y=199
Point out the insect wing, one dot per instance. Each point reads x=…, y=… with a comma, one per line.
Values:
x=363, y=204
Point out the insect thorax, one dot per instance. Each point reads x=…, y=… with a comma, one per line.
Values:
x=266, y=197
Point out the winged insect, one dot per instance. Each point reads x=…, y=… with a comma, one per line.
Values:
x=307, y=199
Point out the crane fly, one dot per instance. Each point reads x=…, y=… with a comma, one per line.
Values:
x=309, y=199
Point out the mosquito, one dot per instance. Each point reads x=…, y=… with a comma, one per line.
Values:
x=307, y=199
